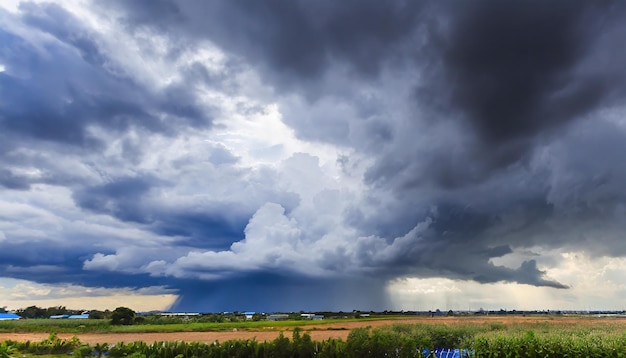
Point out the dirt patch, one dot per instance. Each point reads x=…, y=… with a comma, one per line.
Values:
x=206, y=337
x=318, y=332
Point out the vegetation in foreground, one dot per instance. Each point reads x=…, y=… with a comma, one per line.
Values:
x=401, y=340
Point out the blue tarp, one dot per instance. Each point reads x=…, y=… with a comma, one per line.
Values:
x=447, y=353
x=5, y=316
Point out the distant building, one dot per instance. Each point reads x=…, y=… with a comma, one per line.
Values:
x=278, y=317
x=179, y=314
x=249, y=315
x=83, y=315
x=8, y=316
x=312, y=316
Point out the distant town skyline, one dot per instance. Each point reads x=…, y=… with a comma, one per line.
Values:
x=313, y=155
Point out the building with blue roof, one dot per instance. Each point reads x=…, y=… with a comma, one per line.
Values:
x=8, y=316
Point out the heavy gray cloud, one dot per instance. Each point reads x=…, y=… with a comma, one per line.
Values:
x=264, y=144
x=518, y=71
x=85, y=89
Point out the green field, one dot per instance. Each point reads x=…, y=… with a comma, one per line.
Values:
x=555, y=337
x=104, y=326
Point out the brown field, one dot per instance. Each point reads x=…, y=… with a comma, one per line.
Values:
x=317, y=332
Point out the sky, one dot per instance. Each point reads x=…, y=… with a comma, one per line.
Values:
x=313, y=155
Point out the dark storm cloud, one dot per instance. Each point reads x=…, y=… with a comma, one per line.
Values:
x=55, y=20
x=504, y=62
x=53, y=263
x=518, y=72
x=23, y=254
x=213, y=225
x=303, y=38
x=514, y=77
x=127, y=199
x=503, y=79
x=513, y=73
x=120, y=198
x=296, y=41
x=477, y=121
x=455, y=242
x=12, y=181
x=505, y=76
x=57, y=96
x=203, y=230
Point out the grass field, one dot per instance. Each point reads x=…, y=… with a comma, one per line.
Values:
x=103, y=326
x=486, y=323
x=503, y=336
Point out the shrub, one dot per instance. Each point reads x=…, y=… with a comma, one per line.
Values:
x=122, y=315
x=6, y=350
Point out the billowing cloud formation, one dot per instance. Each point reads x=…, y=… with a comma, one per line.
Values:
x=302, y=155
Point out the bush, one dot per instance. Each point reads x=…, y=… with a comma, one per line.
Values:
x=122, y=316
x=6, y=349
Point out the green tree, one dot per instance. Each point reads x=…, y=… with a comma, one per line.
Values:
x=95, y=314
x=32, y=312
x=58, y=310
x=122, y=315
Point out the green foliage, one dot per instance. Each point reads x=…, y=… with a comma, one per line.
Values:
x=137, y=355
x=280, y=346
x=358, y=344
x=395, y=341
x=82, y=351
x=6, y=349
x=38, y=312
x=155, y=323
x=401, y=340
x=497, y=326
x=32, y=312
x=95, y=314
x=449, y=337
x=122, y=316
x=51, y=345
x=55, y=325
x=58, y=310
x=556, y=343
x=302, y=344
x=100, y=349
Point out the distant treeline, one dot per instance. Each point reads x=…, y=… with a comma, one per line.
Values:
x=164, y=317
x=38, y=312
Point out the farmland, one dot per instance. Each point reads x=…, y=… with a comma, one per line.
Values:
x=493, y=336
